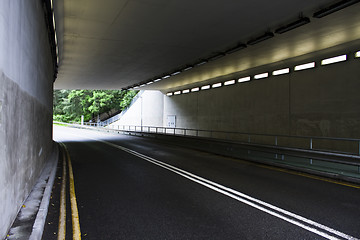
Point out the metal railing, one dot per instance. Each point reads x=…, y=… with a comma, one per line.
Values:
x=328, y=144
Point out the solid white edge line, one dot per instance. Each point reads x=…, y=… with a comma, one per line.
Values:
x=232, y=193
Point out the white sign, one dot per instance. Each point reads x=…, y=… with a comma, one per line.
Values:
x=171, y=121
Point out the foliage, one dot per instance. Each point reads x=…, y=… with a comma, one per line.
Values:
x=69, y=105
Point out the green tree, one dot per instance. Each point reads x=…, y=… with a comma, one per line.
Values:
x=69, y=105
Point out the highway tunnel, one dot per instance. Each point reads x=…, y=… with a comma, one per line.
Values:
x=283, y=68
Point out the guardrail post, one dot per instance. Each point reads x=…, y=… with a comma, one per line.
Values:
x=276, y=143
x=311, y=147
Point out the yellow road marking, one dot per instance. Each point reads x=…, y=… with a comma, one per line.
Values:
x=313, y=177
x=62, y=217
x=307, y=175
x=74, y=208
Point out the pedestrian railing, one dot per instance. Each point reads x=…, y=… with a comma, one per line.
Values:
x=335, y=145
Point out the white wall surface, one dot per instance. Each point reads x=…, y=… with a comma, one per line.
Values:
x=147, y=110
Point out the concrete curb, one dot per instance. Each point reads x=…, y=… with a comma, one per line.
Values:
x=38, y=227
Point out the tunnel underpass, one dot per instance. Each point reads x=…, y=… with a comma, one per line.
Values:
x=247, y=123
x=129, y=187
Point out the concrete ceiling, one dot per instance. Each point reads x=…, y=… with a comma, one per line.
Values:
x=113, y=44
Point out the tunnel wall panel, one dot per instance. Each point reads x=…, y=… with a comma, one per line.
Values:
x=318, y=102
x=26, y=78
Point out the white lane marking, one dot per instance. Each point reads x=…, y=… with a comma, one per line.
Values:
x=256, y=203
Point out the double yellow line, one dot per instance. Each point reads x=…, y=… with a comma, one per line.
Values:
x=74, y=209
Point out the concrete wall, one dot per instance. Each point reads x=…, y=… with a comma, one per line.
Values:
x=26, y=77
x=147, y=110
x=323, y=101
x=317, y=102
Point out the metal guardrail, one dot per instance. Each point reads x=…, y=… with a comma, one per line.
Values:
x=296, y=151
x=334, y=145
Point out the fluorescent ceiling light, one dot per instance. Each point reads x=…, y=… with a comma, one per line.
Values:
x=188, y=68
x=261, y=75
x=136, y=87
x=167, y=76
x=205, y=87
x=54, y=24
x=56, y=42
x=293, y=25
x=142, y=85
x=261, y=38
x=175, y=73
x=244, y=79
x=216, y=85
x=169, y=94
x=156, y=80
x=334, y=60
x=304, y=66
x=201, y=63
x=230, y=82
x=177, y=92
x=334, y=7
x=150, y=83
x=186, y=91
x=357, y=54
x=217, y=56
x=195, y=89
x=281, y=71
x=236, y=48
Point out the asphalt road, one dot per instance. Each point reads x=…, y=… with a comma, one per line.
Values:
x=137, y=188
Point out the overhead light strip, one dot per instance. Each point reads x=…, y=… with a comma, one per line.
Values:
x=195, y=89
x=357, y=54
x=236, y=48
x=216, y=57
x=261, y=75
x=334, y=8
x=281, y=71
x=304, y=66
x=264, y=37
x=206, y=87
x=244, y=79
x=337, y=59
x=230, y=82
x=293, y=25
x=216, y=85
x=188, y=68
x=201, y=63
